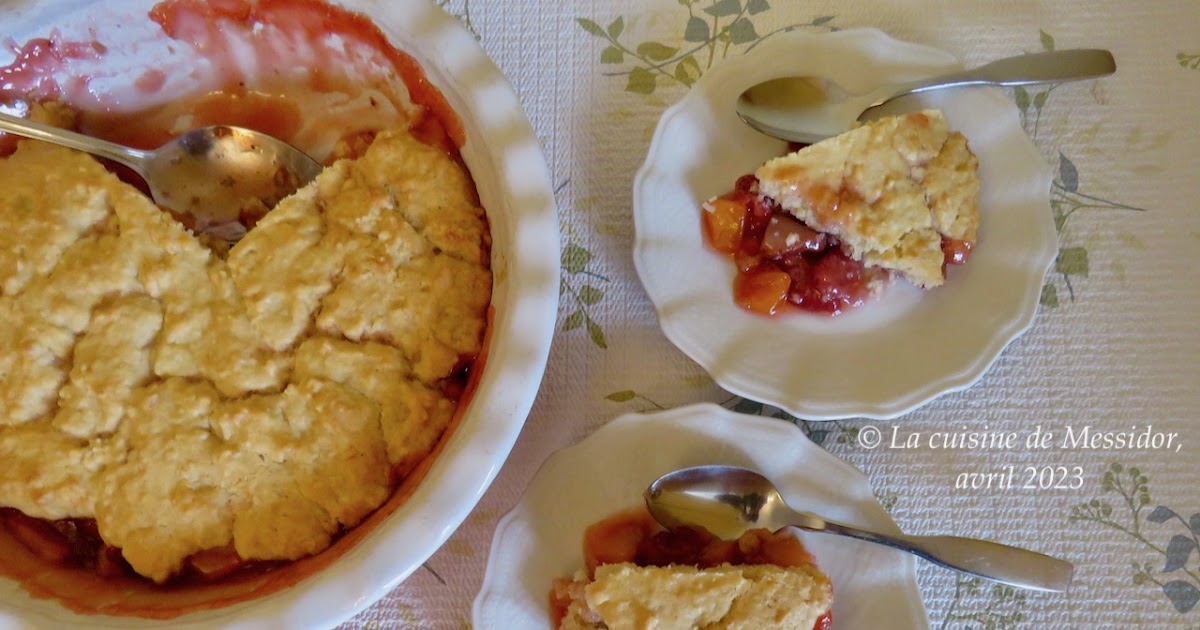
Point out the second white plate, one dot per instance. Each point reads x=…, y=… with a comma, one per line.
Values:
x=903, y=349
x=542, y=537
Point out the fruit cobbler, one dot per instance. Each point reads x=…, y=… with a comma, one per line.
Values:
x=828, y=226
x=639, y=575
x=171, y=413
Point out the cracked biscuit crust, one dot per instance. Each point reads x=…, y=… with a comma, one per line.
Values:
x=890, y=190
x=679, y=597
x=264, y=402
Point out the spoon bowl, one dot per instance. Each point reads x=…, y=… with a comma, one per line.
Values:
x=211, y=174
x=808, y=109
x=728, y=501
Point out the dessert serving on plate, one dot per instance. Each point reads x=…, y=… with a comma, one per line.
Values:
x=640, y=575
x=180, y=414
x=569, y=519
x=701, y=147
x=826, y=227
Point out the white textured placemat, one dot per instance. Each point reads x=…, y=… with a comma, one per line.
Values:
x=1114, y=346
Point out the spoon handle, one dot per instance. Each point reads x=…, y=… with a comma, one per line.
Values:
x=25, y=128
x=994, y=561
x=1046, y=67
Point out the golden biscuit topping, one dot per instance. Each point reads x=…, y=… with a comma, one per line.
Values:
x=640, y=575
x=263, y=402
x=890, y=191
x=680, y=597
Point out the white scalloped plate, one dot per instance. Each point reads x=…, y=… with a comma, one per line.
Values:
x=899, y=351
x=510, y=172
x=542, y=537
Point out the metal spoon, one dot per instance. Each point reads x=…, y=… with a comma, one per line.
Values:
x=209, y=173
x=728, y=501
x=808, y=110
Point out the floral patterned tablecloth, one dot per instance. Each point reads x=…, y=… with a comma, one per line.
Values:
x=1113, y=349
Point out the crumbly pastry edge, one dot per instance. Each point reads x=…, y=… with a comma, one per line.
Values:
x=821, y=183
x=158, y=570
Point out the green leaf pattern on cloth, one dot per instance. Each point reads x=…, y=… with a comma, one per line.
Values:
x=979, y=603
x=578, y=287
x=1122, y=507
x=709, y=32
x=1066, y=197
x=715, y=29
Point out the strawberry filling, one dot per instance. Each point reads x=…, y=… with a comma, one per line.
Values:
x=784, y=264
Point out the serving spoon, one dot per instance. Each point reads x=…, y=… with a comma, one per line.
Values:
x=728, y=501
x=808, y=109
x=209, y=173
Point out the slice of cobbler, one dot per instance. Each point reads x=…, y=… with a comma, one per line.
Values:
x=890, y=191
x=684, y=597
x=826, y=226
x=641, y=576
